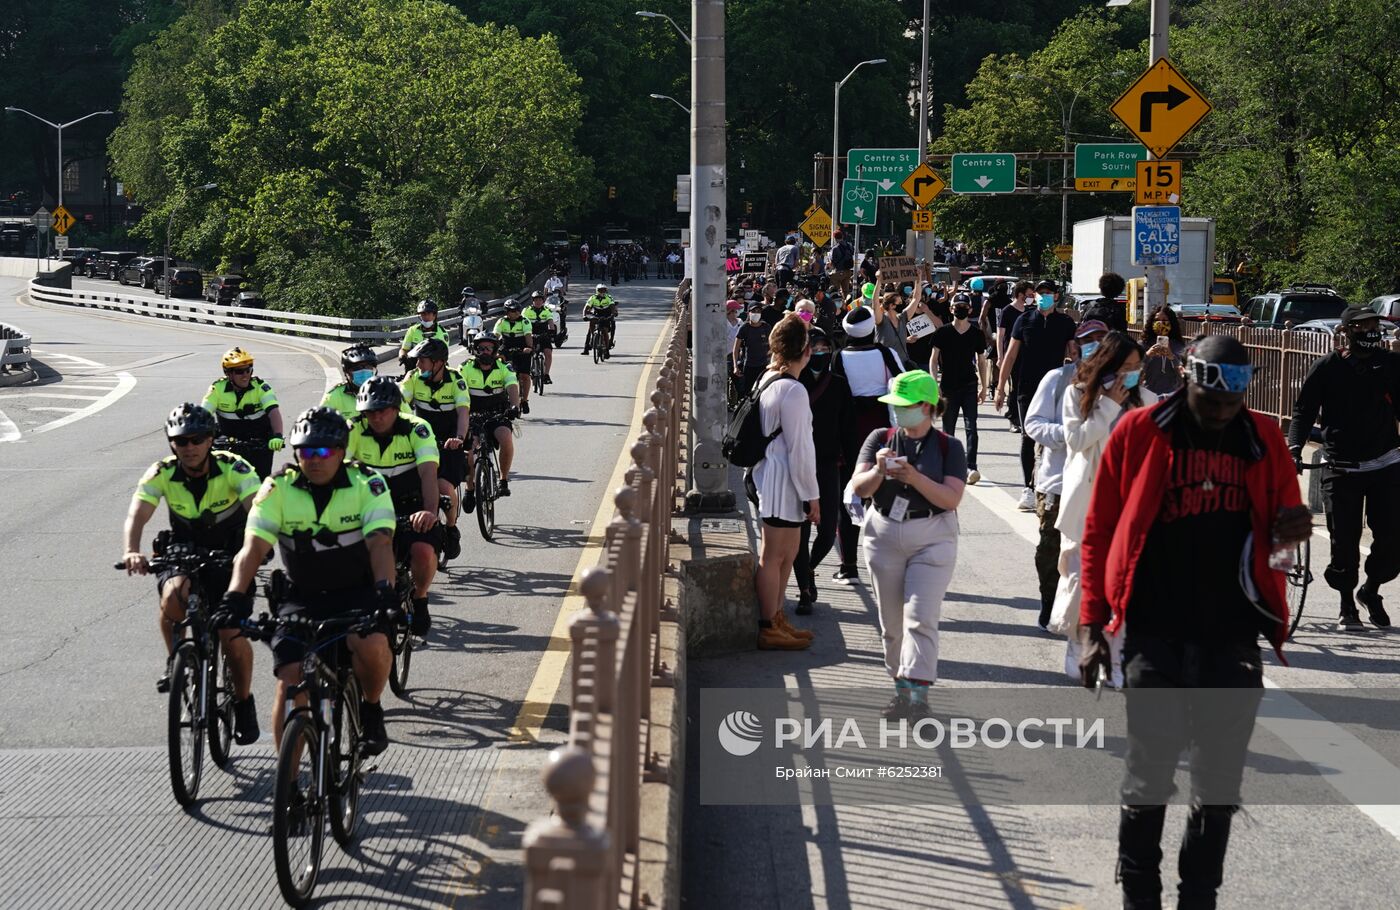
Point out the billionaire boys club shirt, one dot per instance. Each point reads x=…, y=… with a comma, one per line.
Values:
x=1187, y=587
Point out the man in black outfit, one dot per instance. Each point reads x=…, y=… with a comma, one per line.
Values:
x=959, y=348
x=1357, y=392
x=1107, y=309
x=830, y=398
x=751, y=349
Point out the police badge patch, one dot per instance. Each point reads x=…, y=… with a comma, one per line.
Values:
x=377, y=485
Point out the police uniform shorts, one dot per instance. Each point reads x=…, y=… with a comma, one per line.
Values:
x=289, y=647
x=405, y=537
x=492, y=422
x=452, y=464
x=520, y=362
x=215, y=579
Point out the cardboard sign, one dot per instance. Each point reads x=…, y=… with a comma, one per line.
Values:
x=920, y=326
x=897, y=268
x=756, y=262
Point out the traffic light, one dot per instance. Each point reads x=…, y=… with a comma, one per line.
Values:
x=612, y=192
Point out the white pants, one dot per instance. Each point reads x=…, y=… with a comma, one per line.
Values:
x=1064, y=617
x=911, y=564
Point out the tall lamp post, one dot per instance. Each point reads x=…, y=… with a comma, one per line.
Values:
x=672, y=100
x=60, y=127
x=836, y=138
x=647, y=14
x=170, y=226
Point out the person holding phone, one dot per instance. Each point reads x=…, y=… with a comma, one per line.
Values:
x=1166, y=352
x=915, y=475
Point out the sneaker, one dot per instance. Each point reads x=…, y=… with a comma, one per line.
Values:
x=804, y=602
x=1350, y=621
x=451, y=542
x=503, y=490
x=974, y=475
x=469, y=501
x=421, y=621
x=245, y=722
x=846, y=575
x=775, y=638
x=374, y=739
x=919, y=710
x=547, y=380
x=897, y=708
x=781, y=621
x=163, y=684
x=585, y=352
x=1375, y=607
x=1027, y=501
x=524, y=407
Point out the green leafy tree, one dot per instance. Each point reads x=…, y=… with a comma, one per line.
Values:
x=365, y=151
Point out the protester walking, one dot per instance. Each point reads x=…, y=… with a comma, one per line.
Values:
x=959, y=351
x=1198, y=468
x=843, y=262
x=1106, y=386
x=915, y=476
x=750, y=350
x=1166, y=352
x=829, y=396
x=1045, y=426
x=784, y=481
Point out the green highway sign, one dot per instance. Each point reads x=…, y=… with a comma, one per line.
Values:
x=887, y=167
x=984, y=172
x=858, y=199
x=1107, y=166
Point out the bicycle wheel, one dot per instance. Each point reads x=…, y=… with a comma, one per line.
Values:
x=1296, y=585
x=486, y=493
x=298, y=826
x=185, y=738
x=218, y=711
x=401, y=655
x=537, y=373
x=343, y=759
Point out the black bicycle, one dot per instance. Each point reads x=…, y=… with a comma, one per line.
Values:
x=253, y=451
x=600, y=336
x=201, y=682
x=537, y=365
x=401, y=640
x=486, y=474
x=1297, y=578
x=320, y=766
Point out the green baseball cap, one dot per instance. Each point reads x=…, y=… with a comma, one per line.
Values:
x=911, y=388
x=867, y=290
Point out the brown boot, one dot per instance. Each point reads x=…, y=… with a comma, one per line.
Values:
x=775, y=638
x=781, y=621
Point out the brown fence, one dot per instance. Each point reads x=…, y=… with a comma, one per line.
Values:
x=584, y=857
x=1281, y=360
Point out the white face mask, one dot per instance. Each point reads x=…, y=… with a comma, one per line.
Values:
x=755, y=318
x=909, y=417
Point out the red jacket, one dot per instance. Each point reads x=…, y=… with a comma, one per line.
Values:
x=1127, y=498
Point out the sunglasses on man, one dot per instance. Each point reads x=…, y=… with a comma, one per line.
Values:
x=181, y=442
x=238, y=371
x=314, y=452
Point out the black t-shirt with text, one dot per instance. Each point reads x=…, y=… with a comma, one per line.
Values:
x=1187, y=586
x=957, y=355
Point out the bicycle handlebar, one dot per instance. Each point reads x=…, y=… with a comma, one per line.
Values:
x=189, y=559
x=357, y=623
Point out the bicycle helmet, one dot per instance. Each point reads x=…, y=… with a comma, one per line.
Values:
x=491, y=338
x=427, y=306
x=190, y=419
x=379, y=392
x=357, y=354
x=236, y=359
x=320, y=427
x=431, y=348
x=538, y=295
x=512, y=305
x=601, y=287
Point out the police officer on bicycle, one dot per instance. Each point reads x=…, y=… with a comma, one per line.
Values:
x=495, y=401
x=402, y=449
x=1355, y=393
x=332, y=521
x=359, y=364
x=426, y=327
x=438, y=394
x=247, y=410
x=541, y=319
x=517, y=347
x=601, y=312
x=208, y=494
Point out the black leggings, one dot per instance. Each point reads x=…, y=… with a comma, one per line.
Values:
x=964, y=401
x=811, y=552
x=1023, y=407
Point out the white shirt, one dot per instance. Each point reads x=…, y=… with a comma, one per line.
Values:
x=787, y=475
x=1044, y=425
x=866, y=371
x=553, y=283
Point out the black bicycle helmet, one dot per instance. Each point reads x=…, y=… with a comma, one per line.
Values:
x=190, y=419
x=320, y=427
x=431, y=348
x=512, y=305
x=427, y=306
x=491, y=338
x=538, y=295
x=357, y=354
x=379, y=392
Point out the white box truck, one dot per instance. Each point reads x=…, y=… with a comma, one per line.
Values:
x=1106, y=245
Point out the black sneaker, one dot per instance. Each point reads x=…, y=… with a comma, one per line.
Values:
x=846, y=575
x=585, y=352
x=524, y=407
x=547, y=380
x=897, y=708
x=422, y=621
x=503, y=490
x=374, y=739
x=451, y=542
x=245, y=722
x=919, y=710
x=804, y=604
x=469, y=501
x=1350, y=621
x=1375, y=607
x=163, y=684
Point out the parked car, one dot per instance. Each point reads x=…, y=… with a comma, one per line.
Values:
x=183, y=283
x=248, y=297
x=151, y=271
x=1223, y=290
x=1387, y=307
x=79, y=257
x=1295, y=305
x=108, y=263
x=1207, y=312
x=223, y=289
x=130, y=272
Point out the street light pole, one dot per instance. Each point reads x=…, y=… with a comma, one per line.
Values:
x=836, y=140
x=919, y=249
x=170, y=226
x=648, y=14
x=672, y=100
x=709, y=470
x=60, y=127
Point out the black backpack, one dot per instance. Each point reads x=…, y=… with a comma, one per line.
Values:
x=745, y=443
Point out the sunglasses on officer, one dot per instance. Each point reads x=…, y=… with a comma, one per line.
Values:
x=181, y=442
x=315, y=452
x=238, y=371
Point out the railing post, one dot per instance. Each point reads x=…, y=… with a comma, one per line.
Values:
x=565, y=856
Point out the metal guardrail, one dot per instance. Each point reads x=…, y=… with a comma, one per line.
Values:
x=585, y=856
x=14, y=352
x=309, y=325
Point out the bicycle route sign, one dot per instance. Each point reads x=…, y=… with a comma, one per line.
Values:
x=858, y=199
x=887, y=167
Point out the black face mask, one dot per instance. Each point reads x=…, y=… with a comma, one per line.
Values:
x=819, y=362
x=485, y=362
x=1371, y=338
x=962, y=312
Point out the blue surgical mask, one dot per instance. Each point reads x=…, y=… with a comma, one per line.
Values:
x=1046, y=302
x=360, y=377
x=425, y=374
x=1087, y=349
x=1130, y=380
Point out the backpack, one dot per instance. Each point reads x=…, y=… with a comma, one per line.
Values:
x=842, y=257
x=744, y=443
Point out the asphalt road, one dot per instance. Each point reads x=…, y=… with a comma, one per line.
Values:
x=86, y=816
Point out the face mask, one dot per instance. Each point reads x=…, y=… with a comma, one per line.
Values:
x=804, y=315
x=360, y=377
x=909, y=417
x=755, y=318
x=819, y=362
x=1370, y=338
x=486, y=361
x=907, y=289
x=1045, y=302
x=1160, y=328
x=1087, y=349
x=425, y=374
x=1130, y=380
x=427, y=323
x=962, y=312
